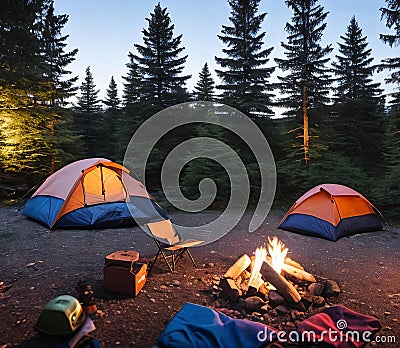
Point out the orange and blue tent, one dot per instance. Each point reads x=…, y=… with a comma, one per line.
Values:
x=93, y=192
x=331, y=211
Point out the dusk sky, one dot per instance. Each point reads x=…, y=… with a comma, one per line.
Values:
x=104, y=32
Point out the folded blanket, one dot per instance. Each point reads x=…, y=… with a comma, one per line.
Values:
x=196, y=326
x=338, y=326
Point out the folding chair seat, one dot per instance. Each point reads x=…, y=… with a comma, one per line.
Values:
x=170, y=244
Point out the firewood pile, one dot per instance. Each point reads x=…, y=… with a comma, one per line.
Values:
x=270, y=286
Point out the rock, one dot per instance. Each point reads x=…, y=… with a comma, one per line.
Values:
x=295, y=314
x=316, y=289
x=387, y=313
x=266, y=316
x=101, y=314
x=176, y=282
x=254, y=302
x=30, y=264
x=331, y=288
x=211, y=264
x=281, y=309
x=290, y=324
x=7, y=345
x=216, y=304
x=318, y=301
x=266, y=308
x=4, y=288
x=273, y=313
x=222, y=302
x=152, y=300
x=275, y=299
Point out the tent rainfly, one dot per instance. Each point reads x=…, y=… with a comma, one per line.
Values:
x=93, y=192
x=331, y=211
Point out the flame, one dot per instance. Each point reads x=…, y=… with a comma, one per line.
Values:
x=260, y=256
x=278, y=252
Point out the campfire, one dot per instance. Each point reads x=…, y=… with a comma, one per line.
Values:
x=271, y=282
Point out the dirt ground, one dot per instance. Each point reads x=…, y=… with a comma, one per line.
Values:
x=36, y=265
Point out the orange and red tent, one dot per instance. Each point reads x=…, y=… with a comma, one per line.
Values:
x=93, y=192
x=331, y=211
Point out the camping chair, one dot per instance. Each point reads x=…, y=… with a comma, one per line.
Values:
x=169, y=243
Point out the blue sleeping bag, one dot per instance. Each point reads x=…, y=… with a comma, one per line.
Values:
x=197, y=326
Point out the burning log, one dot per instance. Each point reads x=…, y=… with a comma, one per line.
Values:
x=293, y=263
x=294, y=269
x=286, y=289
x=245, y=275
x=263, y=289
x=255, y=282
x=298, y=273
x=230, y=289
x=238, y=267
x=265, y=285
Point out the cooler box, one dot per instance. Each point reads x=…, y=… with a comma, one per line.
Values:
x=123, y=274
x=122, y=258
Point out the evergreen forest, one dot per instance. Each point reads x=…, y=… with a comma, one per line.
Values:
x=337, y=124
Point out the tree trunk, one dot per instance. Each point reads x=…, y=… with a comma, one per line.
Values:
x=53, y=157
x=305, y=126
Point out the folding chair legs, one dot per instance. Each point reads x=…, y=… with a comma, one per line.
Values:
x=191, y=257
x=172, y=269
x=175, y=257
x=153, y=263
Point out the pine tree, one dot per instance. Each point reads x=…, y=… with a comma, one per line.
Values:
x=353, y=67
x=111, y=116
x=112, y=100
x=160, y=62
x=358, y=100
x=133, y=111
x=132, y=92
x=88, y=120
x=204, y=89
x=388, y=192
x=28, y=89
x=392, y=16
x=245, y=75
x=88, y=101
x=57, y=60
x=306, y=86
